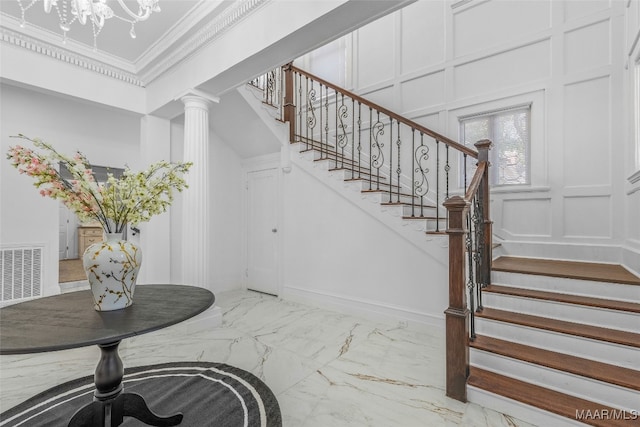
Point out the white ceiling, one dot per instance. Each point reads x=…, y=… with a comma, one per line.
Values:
x=177, y=20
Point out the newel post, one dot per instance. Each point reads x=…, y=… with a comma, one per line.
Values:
x=289, y=106
x=483, y=146
x=457, y=315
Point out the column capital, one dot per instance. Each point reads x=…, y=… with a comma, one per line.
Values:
x=197, y=98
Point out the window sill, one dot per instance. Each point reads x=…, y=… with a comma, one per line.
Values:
x=519, y=189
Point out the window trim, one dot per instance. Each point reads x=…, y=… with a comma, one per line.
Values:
x=493, y=173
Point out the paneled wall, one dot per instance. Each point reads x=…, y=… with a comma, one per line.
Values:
x=632, y=166
x=437, y=61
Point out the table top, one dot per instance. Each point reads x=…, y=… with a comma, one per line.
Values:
x=69, y=320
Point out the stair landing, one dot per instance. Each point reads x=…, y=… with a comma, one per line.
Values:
x=597, y=272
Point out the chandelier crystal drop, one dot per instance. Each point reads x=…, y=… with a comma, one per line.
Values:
x=96, y=12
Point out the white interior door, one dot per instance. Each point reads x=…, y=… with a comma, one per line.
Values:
x=68, y=233
x=63, y=238
x=262, y=231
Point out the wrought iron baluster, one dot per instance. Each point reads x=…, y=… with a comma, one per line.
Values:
x=413, y=174
x=437, y=185
x=353, y=135
x=480, y=243
x=299, y=106
x=421, y=156
x=370, y=147
x=359, y=136
x=321, y=125
x=390, y=159
x=398, y=170
x=446, y=170
x=342, y=139
x=336, y=124
x=470, y=271
x=377, y=130
x=326, y=122
x=464, y=156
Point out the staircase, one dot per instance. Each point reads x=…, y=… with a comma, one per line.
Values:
x=547, y=338
x=551, y=342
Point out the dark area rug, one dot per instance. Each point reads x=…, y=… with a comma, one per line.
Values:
x=208, y=394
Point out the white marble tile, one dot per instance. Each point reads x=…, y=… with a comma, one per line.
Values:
x=325, y=368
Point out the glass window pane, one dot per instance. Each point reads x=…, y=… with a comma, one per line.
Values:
x=510, y=133
x=510, y=147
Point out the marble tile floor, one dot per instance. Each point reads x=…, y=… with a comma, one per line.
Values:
x=325, y=368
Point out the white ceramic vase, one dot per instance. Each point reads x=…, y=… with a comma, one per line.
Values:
x=112, y=270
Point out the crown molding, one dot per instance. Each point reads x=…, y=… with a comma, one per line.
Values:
x=212, y=30
x=80, y=60
x=177, y=31
x=33, y=32
x=78, y=54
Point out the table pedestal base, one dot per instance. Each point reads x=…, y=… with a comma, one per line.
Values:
x=110, y=405
x=111, y=413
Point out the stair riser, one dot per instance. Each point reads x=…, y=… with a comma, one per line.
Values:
x=578, y=346
x=384, y=197
x=406, y=210
x=613, y=291
x=595, y=316
x=518, y=410
x=585, y=388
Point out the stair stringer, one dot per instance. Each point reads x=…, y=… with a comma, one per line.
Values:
x=435, y=246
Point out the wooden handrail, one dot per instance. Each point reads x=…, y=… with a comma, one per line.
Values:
x=474, y=185
x=448, y=141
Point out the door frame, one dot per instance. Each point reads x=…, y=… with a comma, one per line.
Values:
x=258, y=164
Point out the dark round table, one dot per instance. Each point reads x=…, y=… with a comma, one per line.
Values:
x=69, y=321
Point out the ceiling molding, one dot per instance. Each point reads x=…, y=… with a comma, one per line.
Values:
x=212, y=30
x=167, y=52
x=177, y=31
x=83, y=61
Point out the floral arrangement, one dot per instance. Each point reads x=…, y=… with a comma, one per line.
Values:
x=131, y=198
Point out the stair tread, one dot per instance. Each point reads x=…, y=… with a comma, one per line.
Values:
x=421, y=217
x=540, y=397
x=600, y=371
x=565, y=298
x=588, y=331
x=567, y=269
x=409, y=204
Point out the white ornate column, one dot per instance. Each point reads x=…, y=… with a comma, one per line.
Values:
x=195, y=199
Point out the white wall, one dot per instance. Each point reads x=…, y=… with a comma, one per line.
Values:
x=107, y=137
x=435, y=61
x=337, y=255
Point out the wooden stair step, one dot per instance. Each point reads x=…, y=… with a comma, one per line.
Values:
x=549, y=400
x=357, y=173
x=395, y=193
x=611, y=273
x=406, y=204
x=374, y=184
x=564, y=298
x=623, y=377
x=422, y=218
x=587, y=331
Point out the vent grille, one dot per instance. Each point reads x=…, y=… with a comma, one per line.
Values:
x=21, y=272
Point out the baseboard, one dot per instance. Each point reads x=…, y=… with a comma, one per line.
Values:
x=371, y=310
x=79, y=285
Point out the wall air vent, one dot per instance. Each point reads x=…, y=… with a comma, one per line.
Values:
x=21, y=273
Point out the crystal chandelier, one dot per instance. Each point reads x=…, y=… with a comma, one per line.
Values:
x=94, y=11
